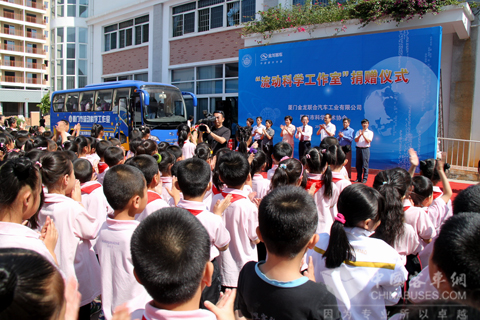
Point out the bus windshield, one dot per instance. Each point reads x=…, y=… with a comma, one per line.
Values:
x=165, y=104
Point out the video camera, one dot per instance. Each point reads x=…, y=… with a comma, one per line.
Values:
x=209, y=120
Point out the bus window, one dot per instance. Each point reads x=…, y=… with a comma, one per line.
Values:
x=86, y=101
x=58, y=102
x=72, y=102
x=104, y=100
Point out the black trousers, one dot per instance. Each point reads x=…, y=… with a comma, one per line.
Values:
x=363, y=157
x=303, y=146
x=212, y=293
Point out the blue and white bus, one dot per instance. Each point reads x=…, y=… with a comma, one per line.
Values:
x=121, y=107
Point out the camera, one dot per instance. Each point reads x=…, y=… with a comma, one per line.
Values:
x=209, y=120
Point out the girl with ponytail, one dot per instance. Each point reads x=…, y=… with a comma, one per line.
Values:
x=97, y=131
x=319, y=181
x=363, y=272
x=260, y=185
x=188, y=148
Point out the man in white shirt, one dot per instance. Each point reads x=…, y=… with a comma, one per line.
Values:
x=257, y=131
x=363, y=138
x=304, y=134
x=328, y=129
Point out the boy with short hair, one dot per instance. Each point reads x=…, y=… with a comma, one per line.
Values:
x=93, y=198
x=194, y=181
x=126, y=191
x=177, y=152
x=280, y=150
x=177, y=273
x=102, y=146
x=149, y=167
x=240, y=218
x=287, y=219
x=112, y=156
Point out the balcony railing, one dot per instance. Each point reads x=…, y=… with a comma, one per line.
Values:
x=35, y=35
x=461, y=154
x=9, y=63
x=13, y=15
x=36, y=5
x=13, y=32
x=28, y=3
x=34, y=50
x=20, y=2
x=14, y=79
x=11, y=47
x=32, y=65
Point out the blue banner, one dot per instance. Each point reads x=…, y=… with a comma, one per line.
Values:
x=392, y=79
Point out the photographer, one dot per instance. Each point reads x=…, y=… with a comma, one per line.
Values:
x=217, y=137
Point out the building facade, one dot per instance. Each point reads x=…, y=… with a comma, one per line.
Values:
x=24, y=50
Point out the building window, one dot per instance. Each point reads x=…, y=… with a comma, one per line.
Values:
x=213, y=79
x=83, y=9
x=137, y=76
x=211, y=14
x=123, y=33
x=71, y=8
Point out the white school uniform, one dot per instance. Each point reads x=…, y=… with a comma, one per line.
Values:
x=271, y=172
x=219, y=235
x=408, y=243
x=188, y=149
x=372, y=281
x=424, y=255
x=155, y=202
x=94, y=200
x=166, y=183
x=339, y=179
x=418, y=219
x=14, y=235
x=326, y=207
x=260, y=185
x=102, y=170
x=421, y=288
x=76, y=227
x=241, y=221
x=152, y=313
x=94, y=160
x=437, y=212
x=437, y=193
x=118, y=281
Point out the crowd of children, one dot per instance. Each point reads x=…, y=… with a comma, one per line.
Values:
x=173, y=232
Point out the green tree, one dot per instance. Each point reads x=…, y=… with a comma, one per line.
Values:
x=45, y=104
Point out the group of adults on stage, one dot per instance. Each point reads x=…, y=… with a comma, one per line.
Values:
x=219, y=135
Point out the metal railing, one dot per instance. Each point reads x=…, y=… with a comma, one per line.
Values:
x=10, y=63
x=20, y=2
x=13, y=32
x=461, y=154
x=15, y=79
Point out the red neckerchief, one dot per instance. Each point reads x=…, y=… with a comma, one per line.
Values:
x=437, y=194
x=235, y=196
x=152, y=196
x=194, y=212
x=102, y=166
x=335, y=180
x=406, y=208
x=215, y=190
x=318, y=186
x=89, y=189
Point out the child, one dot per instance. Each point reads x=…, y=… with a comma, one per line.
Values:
x=147, y=147
x=93, y=198
x=101, y=147
x=149, y=168
x=364, y=273
x=177, y=152
x=113, y=156
x=20, y=191
x=275, y=287
x=326, y=192
x=260, y=185
x=126, y=192
x=188, y=148
x=394, y=186
x=177, y=273
x=280, y=151
x=76, y=227
x=83, y=146
x=243, y=135
x=337, y=163
x=92, y=156
x=193, y=181
x=165, y=167
x=97, y=131
x=289, y=172
x=240, y=217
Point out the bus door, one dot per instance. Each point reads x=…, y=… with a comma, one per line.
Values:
x=121, y=107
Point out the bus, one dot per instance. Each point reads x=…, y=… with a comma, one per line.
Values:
x=123, y=106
